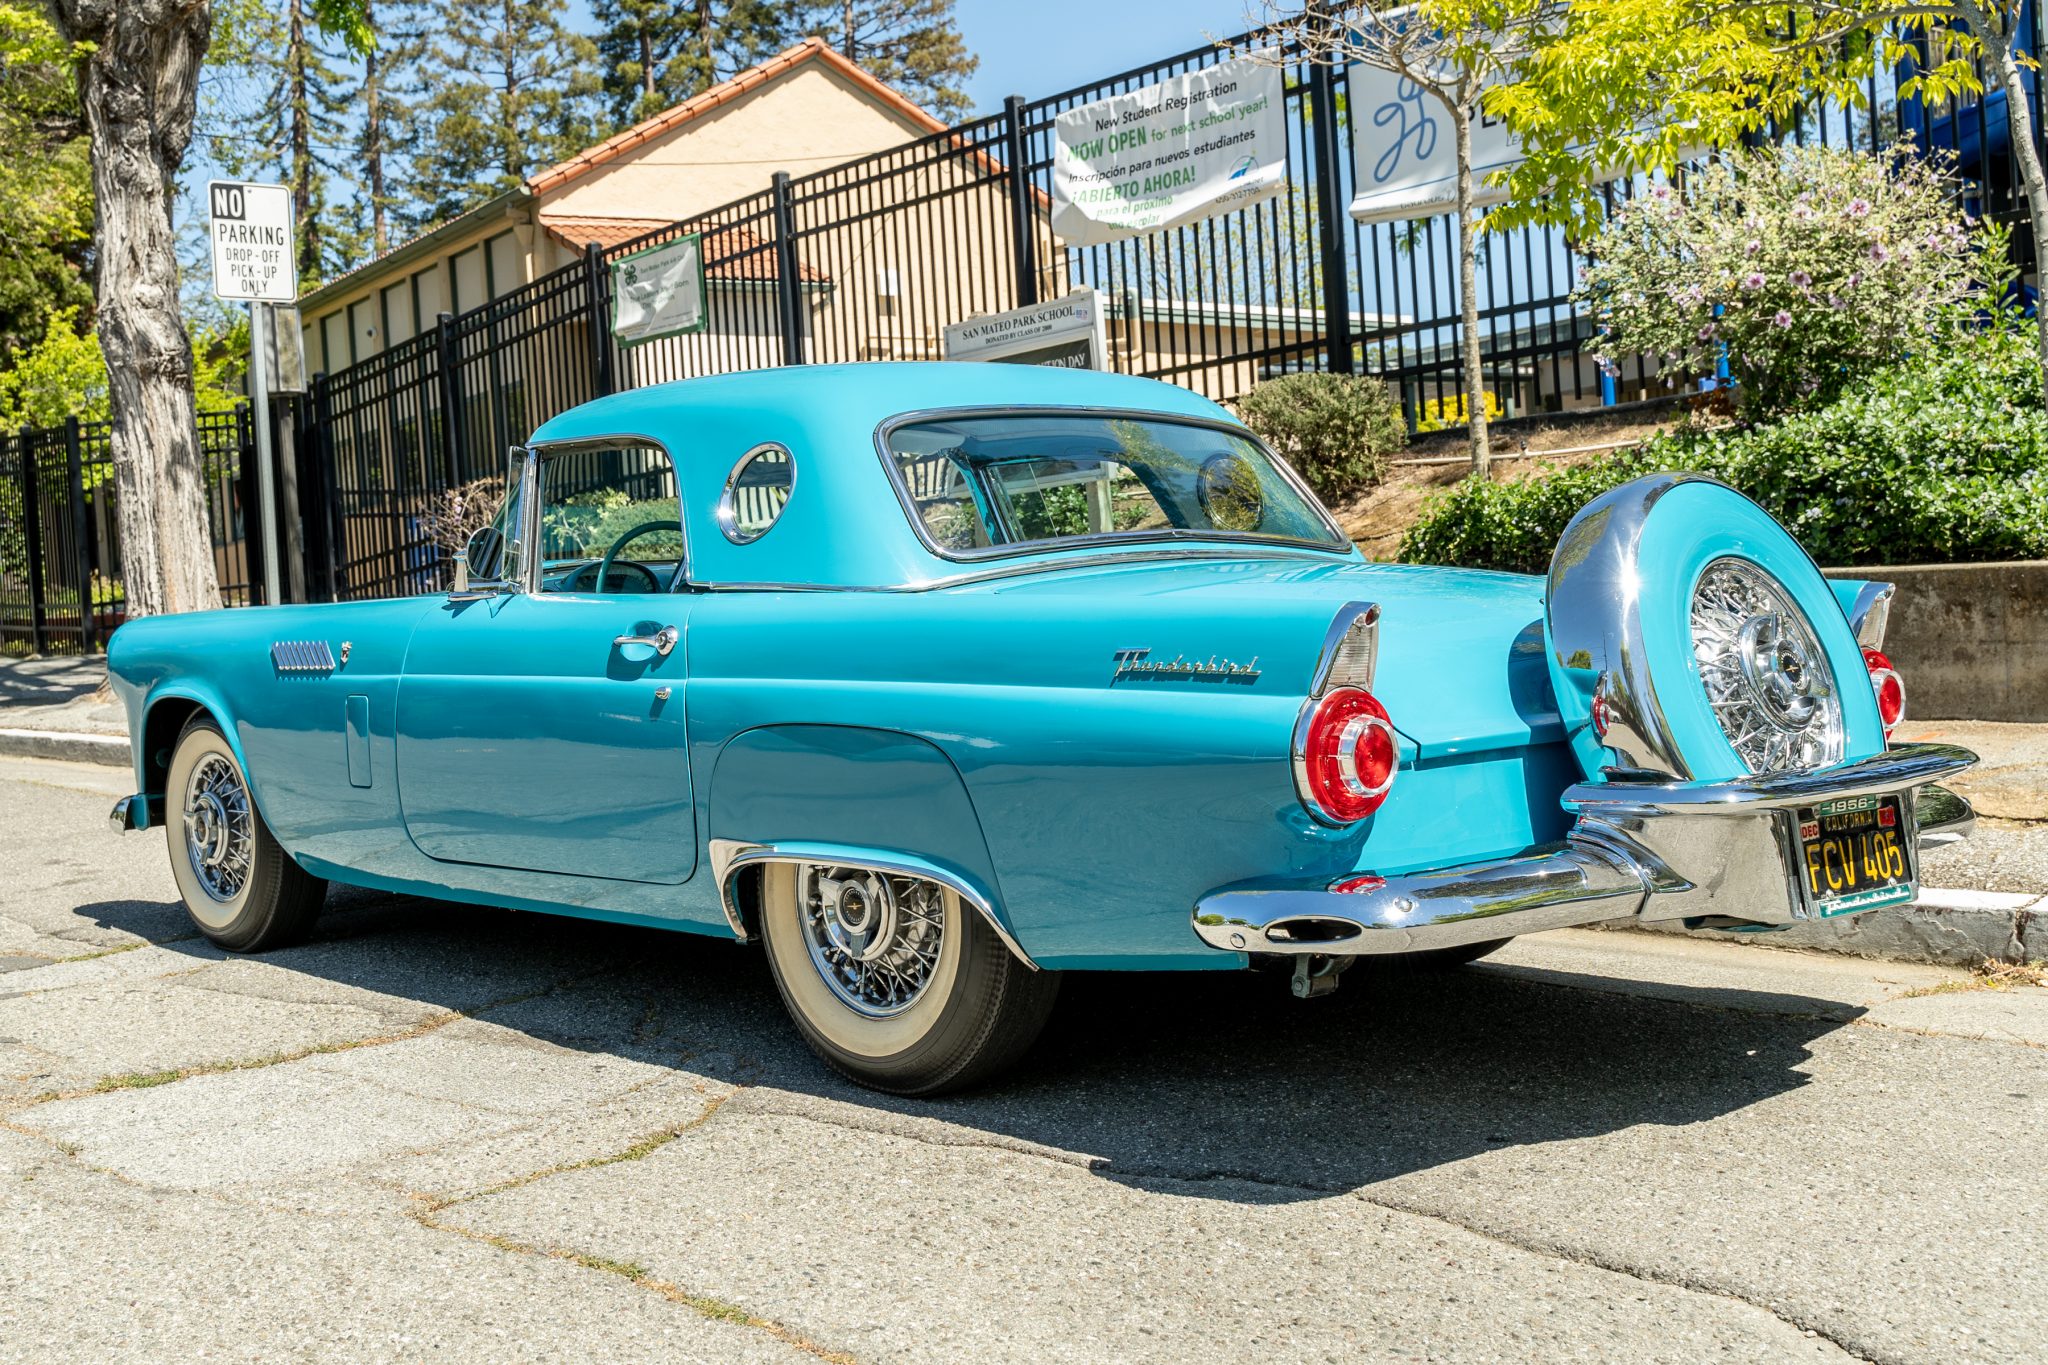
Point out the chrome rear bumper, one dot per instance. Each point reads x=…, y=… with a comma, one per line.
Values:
x=1646, y=851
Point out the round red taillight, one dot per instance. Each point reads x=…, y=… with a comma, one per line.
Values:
x=1889, y=687
x=1347, y=756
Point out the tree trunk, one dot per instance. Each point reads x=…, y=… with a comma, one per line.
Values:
x=1468, y=296
x=851, y=48
x=2019, y=117
x=373, y=141
x=139, y=85
x=299, y=118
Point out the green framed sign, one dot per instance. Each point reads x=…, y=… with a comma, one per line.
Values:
x=658, y=291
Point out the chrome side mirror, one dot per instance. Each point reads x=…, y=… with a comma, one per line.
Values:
x=479, y=571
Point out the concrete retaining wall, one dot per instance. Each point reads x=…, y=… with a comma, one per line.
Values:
x=1971, y=640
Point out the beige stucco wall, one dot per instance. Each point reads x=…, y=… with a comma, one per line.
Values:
x=807, y=119
x=804, y=121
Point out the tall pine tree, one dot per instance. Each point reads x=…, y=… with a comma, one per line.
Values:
x=506, y=90
x=295, y=131
x=914, y=45
x=654, y=54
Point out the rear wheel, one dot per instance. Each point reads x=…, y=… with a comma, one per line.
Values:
x=894, y=982
x=240, y=887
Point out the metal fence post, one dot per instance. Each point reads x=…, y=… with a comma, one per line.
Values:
x=1323, y=124
x=247, y=494
x=1023, y=223
x=788, y=290
x=81, y=541
x=334, y=518
x=32, y=533
x=451, y=398
x=596, y=280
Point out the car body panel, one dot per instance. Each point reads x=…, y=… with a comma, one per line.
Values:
x=839, y=684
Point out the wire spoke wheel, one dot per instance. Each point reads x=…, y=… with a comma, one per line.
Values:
x=220, y=831
x=1765, y=673
x=874, y=938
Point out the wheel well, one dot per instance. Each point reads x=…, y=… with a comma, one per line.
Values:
x=160, y=731
x=746, y=897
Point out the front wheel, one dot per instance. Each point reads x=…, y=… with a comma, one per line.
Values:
x=242, y=890
x=894, y=982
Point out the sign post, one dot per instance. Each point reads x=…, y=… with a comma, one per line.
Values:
x=251, y=227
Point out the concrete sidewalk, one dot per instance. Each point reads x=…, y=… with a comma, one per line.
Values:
x=48, y=709
x=1984, y=899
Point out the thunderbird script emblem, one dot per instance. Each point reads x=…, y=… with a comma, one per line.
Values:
x=1139, y=664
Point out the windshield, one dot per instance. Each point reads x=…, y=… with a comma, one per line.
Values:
x=984, y=483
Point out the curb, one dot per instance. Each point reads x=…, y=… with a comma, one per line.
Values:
x=74, y=746
x=1954, y=928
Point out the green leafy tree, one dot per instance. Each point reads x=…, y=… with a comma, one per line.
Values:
x=507, y=90
x=137, y=72
x=45, y=180
x=1454, y=52
x=914, y=45
x=1638, y=85
x=654, y=54
x=295, y=129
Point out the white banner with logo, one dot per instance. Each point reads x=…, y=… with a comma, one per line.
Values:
x=659, y=292
x=1177, y=152
x=1405, y=151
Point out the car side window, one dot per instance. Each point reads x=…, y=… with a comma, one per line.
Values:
x=610, y=520
x=755, y=493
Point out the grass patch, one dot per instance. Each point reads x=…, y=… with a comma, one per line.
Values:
x=138, y=1080
x=1988, y=976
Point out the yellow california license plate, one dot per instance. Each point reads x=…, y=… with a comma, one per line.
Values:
x=1855, y=854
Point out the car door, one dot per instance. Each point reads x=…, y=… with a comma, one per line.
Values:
x=540, y=727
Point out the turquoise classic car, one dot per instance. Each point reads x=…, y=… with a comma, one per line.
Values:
x=938, y=680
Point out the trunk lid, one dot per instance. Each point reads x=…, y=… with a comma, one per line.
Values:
x=1461, y=664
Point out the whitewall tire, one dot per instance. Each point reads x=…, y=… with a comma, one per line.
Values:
x=242, y=890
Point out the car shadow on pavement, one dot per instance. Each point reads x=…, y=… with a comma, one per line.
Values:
x=1219, y=1080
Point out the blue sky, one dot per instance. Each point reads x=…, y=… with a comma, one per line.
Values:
x=1038, y=47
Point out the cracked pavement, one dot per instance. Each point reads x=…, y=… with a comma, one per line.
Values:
x=439, y=1131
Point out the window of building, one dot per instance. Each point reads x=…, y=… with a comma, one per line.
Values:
x=506, y=274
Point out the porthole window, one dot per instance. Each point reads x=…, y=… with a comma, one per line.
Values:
x=756, y=492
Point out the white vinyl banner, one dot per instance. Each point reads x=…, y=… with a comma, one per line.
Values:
x=659, y=292
x=1177, y=152
x=1405, y=151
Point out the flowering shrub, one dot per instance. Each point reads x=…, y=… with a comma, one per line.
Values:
x=1805, y=266
x=1442, y=413
x=1942, y=459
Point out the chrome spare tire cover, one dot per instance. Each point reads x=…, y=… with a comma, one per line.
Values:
x=1691, y=637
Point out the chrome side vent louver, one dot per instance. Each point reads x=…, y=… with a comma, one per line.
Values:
x=302, y=656
x=1350, y=651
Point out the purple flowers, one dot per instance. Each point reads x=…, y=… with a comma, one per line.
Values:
x=1707, y=332
x=1859, y=208
x=1753, y=280
x=1753, y=247
x=1782, y=319
x=1878, y=253
x=1801, y=279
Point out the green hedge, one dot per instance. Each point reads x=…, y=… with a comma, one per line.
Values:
x=1941, y=460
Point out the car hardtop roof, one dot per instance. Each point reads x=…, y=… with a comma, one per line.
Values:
x=866, y=395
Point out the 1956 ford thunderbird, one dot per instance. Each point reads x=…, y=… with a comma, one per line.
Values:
x=938, y=679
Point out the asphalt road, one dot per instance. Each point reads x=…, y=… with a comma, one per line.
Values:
x=458, y=1134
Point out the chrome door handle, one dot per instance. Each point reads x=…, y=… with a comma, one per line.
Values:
x=662, y=641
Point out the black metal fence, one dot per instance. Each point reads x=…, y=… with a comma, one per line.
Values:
x=60, y=544
x=872, y=259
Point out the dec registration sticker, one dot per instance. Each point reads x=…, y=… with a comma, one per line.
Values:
x=1853, y=855
x=251, y=227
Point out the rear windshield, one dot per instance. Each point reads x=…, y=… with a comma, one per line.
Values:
x=984, y=483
